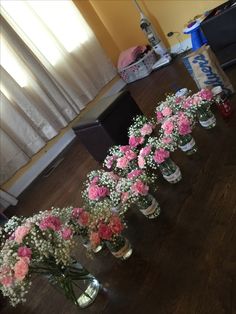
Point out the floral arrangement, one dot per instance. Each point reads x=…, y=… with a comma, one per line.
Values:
x=100, y=186
x=175, y=127
x=201, y=100
x=121, y=159
x=140, y=130
x=36, y=245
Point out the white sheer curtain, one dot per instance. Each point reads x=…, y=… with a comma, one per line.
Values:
x=51, y=66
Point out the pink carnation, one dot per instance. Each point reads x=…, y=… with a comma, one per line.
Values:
x=109, y=161
x=84, y=218
x=134, y=173
x=135, y=141
x=6, y=278
x=21, y=268
x=104, y=231
x=116, y=224
x=76, y=212
x=178, y=99
x=196, y=100
x=66, y=233
x=124, y=148
x=168, y=127
x=103, y=191
x=161, y=155
x=95, y=180
x=141, y=162
x=159, y=116
x=122, y=162
x=146, y=129
x=145, y=151
x=94, y=239
x=50, y=222
x=166, y=111
x=93, y=191
x=188, y=103
x=24, y=251
x=206, y=94
x=184, y=127
x=140, y=188
x=20, y=233
x=130, y=155
x=166, y=140
x=124, y=197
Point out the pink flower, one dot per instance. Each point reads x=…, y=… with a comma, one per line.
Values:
x=206, y=94
x=135, y=141
x=50, y=222
x=76, y=212
x=24, y=251
x=188, y=103
x=93, y=192
x=134, y=173
x=161, y=155
x=103, y=191
x=95, y=180
x=122, y=162
x=104, y=231
x=84, y=218
x=21, y=268
x=140, y=188
x=6, y=278
x=114, y=176
x=145, y=151
x=94, y=239
x=124, y=197
x=20, y=233
x=141, y=162
x=130, y=155
x=168, y=127
x=184, y=127
x=124, y=148
x=196, y=100
x=159, y=116
x=116, y=224
x=166, y=111
x=166, y=140
x=109, y=161
x=146, y=129
x=66, y=233
x=178, y=99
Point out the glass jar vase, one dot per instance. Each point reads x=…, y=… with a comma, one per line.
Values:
x=149, y=206
x=120, y=247
x=206, y=118
x=86, y=243
x=170, y=171
x=76, y=283
x=187, y=144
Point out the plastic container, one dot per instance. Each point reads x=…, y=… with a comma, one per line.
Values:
x=139, y=69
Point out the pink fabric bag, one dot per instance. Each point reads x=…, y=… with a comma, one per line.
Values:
x=129, y=56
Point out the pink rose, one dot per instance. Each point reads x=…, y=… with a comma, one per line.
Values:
x=134, y=173
x=130, y=155
x=140, y=188
x=93, y=192
x=145, y=151
x=94, y=239
x=159, y=116
x=20, y=233
x=24, y=251
x=104, y=231
x=141, y=162
x=168, y=127
x=50, y=222
x=122, y=162
x=160, y=155
x=166, y=111
x=66, y=233
x=21, y=268
x=146, y=129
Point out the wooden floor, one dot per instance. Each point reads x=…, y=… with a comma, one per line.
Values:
x=184, y=262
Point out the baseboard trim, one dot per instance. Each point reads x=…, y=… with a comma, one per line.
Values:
x=41, y=164
x=115, y=88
